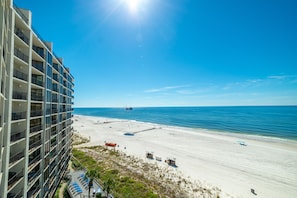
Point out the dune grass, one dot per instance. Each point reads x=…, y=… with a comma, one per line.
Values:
x=121, y=185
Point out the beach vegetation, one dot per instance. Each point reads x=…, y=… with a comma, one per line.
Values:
x=78, y=139
x=58, y=191
x=125, y=175
x=120, y=184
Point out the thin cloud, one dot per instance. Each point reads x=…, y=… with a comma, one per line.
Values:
x=277, y=77
x=282, y=77
x=167, y=88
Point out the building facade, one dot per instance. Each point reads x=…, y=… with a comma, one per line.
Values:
x=36, y=97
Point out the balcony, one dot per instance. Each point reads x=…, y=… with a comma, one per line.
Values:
x=33, y=161
x=39, y=50
x=55, y=77
x=20, y=75
x=56, y=67
x=55, y=88
x=17, y=136
x=55, y=100
x=34, y=145
x=54, y=110
x=35, y=128
x=54, y=132
x=53, y=154
x=21, y=55
x=19, y=95
x=55, y=121
x=16, y=157
x=18, y=115
x=54, y=143
x=20, y=12
x=15, y=195
x=21, y=35
x=32, y=176
x=37, y=80
x=38, y=65
x=52, y=167
x=36, y=97
x=33, y=192
x=36, y=113
x=14, y=177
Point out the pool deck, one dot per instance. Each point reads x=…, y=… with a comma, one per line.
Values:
x=78, y=185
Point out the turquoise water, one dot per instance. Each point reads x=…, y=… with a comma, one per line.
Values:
x=274, y=121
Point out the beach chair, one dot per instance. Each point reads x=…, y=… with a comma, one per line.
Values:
x=158, y=158
x=149, y=155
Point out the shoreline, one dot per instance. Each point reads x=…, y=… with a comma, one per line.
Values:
x=210, y=131
x=264, y=164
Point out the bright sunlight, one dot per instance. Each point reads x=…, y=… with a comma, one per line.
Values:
x=134, y=5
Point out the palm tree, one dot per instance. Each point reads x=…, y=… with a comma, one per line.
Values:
x=91, y=174
x=107, y=185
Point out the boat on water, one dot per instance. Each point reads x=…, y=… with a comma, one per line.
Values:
x=129, y=108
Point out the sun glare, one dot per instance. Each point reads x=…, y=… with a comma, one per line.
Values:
x=133, y=5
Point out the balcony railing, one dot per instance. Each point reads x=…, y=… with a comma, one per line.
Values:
x=20, y=13
x=19, y=95
x=55, y=77
x=15, y=195
x=38, y=65
x=18, y=115
x=37, y=81
x=54, y=143
x=17, y=136
x=54, y=132
x=36, y=128
x=20, y=75
x=34, y=160
x=53, y=154
x=54, y=99
x=36, y=97
x=33, y=192
x=55, y=88
x=16, y=157
x=56, y=66
x=36, y=113
x=21, y=55
x=39, y=50
x=14, y=177
x=34, y=144
x=32, y=176
x=52, y=167
x=21, y=35
x=54, y=121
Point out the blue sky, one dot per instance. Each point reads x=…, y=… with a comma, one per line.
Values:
x=174, y=52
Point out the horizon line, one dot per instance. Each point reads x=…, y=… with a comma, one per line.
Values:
x=290, y=105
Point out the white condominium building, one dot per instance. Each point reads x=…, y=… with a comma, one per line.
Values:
x=36, y=97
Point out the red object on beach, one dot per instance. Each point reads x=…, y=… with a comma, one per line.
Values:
x=110, y=144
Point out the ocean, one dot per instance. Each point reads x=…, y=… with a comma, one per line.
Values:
x=273, y=121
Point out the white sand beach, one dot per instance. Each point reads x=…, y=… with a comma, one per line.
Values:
x=235, y=163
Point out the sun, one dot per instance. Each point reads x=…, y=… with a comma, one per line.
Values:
x=134, y=5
